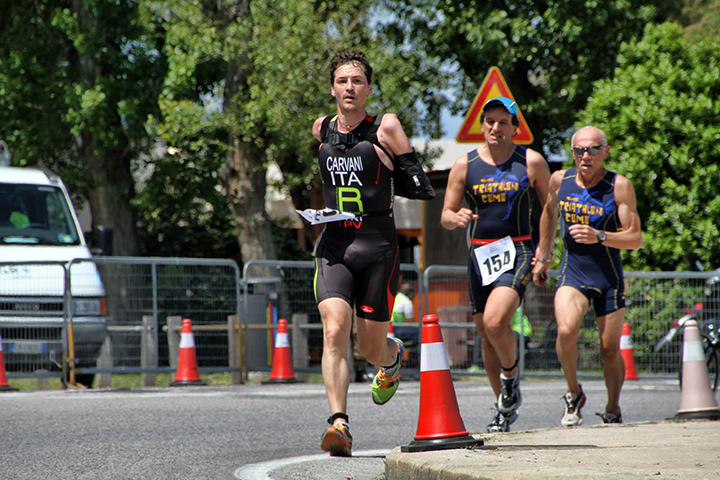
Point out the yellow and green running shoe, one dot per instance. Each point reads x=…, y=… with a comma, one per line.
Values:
x=385, y=383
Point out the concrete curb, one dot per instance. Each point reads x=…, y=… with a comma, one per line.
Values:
x=670, y=449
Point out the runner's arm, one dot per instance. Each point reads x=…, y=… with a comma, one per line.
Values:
x=453, y=214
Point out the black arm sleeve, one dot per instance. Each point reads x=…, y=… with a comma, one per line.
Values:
x=410, y=178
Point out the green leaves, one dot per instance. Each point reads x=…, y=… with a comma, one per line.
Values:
x=549, y=52
x=660, y=114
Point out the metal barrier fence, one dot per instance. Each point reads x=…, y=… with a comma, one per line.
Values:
x=129, y=322
x=33, y=312
x=135, y=316
x=281, y=289
x=654, y=301
x=147, y=298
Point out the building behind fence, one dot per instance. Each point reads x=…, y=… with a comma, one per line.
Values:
x=234, y=316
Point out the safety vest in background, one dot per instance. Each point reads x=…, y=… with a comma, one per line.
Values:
x=403, y=309
x=526, y=327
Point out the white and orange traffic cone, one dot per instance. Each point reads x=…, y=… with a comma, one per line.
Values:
x=4, y=385
x=282, y=370
x=187, y=370
x=628, y=352
x=440, y=426
x=697, y=399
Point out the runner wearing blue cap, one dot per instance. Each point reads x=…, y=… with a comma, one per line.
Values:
x=497, y=179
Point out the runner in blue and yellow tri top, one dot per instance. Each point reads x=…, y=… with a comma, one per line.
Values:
x=598, y=217
x=496, y=179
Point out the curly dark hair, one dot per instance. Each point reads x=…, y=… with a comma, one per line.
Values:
x=350, y=56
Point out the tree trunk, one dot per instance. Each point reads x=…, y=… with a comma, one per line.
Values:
x=243, y=176
x=110, y=194
x=243, y=179
x=109, y=177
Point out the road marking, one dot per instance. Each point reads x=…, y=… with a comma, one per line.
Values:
x=262, y=471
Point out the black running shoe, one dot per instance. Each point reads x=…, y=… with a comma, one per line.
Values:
x=610, y=417
x=510, y=398
x=500, y=422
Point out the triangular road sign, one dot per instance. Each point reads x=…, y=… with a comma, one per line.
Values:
x=493, y=86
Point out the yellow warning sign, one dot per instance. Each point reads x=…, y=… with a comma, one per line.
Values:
x=493, y=86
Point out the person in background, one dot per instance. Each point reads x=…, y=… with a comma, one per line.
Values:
x=598, y=217
x=521, y=325
x=403, y=310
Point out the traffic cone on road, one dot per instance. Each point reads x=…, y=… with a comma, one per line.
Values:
x=187, y=370
x=282, y=370
x=697, y=399
x=628, y=353
x=391, y=332
x=4, y=385
x=440, y=426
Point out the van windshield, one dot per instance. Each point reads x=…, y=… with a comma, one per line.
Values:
x=35, y=215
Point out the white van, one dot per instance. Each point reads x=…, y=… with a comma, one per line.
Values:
x=39, y=236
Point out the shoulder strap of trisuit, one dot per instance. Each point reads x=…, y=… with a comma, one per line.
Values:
x=372, y=134
x=367, y=130
x=329, y=126
x=473, y=155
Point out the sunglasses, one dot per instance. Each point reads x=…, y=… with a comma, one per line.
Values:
x=591, y=150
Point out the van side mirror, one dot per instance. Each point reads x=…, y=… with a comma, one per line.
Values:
x=103, y=241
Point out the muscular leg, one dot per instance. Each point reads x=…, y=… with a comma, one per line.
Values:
x=610, y=327
x=570, y=307
x=375, y=345
x=499, y=347
x=337, y=324
x=490, y=358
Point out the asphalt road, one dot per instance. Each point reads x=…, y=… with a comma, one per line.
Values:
x=255, y=431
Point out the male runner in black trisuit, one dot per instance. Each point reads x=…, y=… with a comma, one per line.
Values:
x=356, y=260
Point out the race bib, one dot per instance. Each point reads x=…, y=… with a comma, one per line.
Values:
x=494, y=259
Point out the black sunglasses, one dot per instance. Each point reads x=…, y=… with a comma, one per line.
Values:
x=591, y=150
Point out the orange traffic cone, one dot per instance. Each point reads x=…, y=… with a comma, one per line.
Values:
x=440, y=426
x=628, y=353
x=282, y=371
x=4, y=386
x=391, y=332
x=187, y=370
x=697, y=399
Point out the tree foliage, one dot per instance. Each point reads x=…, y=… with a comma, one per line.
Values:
x=549, y=51
x=77, y=81
x=702, y=18
x=660, y=113
x=245, y=83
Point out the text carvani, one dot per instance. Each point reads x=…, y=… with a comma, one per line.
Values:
x=342, y=170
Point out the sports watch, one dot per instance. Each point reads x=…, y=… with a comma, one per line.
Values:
x=601, y=236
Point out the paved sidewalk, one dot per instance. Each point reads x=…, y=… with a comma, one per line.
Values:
x=678, y=450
